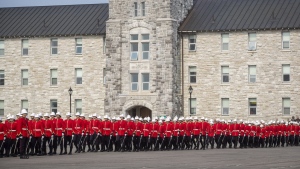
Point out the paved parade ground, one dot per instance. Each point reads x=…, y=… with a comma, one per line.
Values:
x=262, y=158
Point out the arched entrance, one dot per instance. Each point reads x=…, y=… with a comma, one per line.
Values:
x=140, y=111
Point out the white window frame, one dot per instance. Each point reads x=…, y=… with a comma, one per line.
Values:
x=286, y=70
x=252, y=107
x=2, y=77
x=145, y=83
x=252, y=73
x=53, y=108
x=2, y=108
x=24, y=77
x=78, y=76
x=286, y=39
x=2, y=47
x=135, y=9
x=143, y=8
x=223, y=74
x=193, y=107
x=24, y=104
x=192, y=42
x=141, y=52
x=53, y=77
x=286, y=105
x=134, y=83
x=53, y=47
x=25, y=47
x=193, y=74
x=78, y=45
x=224, y=41
x=78, y=105
x=225, y=107
x=252, y=41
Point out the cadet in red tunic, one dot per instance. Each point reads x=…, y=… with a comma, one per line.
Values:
x=48, y=131
x=137, y=134
x=68, y=123
x=122, y=124
x=37, y=130
x=196, y=133
x=78, y=130
x=23, y=133
x=130, y=129
x=203, y=131
x=154, y=126
x=235, y=132
x=3, y=132
x=11, y=127
x=58, y=133
x=176, y=133
x=106, y=131
x=146, y=135
x=211, y=134
x=114, y=134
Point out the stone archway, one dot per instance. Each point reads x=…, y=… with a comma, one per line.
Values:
x=139, y=111
x=138, y=108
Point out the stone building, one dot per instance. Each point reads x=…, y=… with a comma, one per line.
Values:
x=140, y=57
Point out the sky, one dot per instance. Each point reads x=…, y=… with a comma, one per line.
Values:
x=19, y=3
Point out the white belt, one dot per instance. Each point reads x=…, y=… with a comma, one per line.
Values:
x=69, y=128
x=121, y=128
x=106, y=128
x=24, y=128
x=58, y=128
x=94, y=127
x=36, y=129
x=1, y=132
x=77, y=127
x=12, y=130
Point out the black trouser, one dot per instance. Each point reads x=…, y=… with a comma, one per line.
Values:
x=224, y=141
x=23, y=145
x=95, y=141
x=112, y=143
x=136, y=141
x=145, y=143
x=175, y=142
x=2, y=147
x=218, y=140
x=68, y=140
x=202, y=141
x=78, y=142
x=297, y=140
x=211, y=141
x=12, y=147
x=261, y=142
x=57, y=142
x=128, y=142
x=164, y=143
x=241, y=141
x=291, y=140
x=186, y=141
x=235, y=141
x=50, y=144
x=123, y=143
x=36, y=145
x=104, y=144
x=86, y=141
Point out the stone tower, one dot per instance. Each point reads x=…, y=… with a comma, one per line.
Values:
x=143, y=65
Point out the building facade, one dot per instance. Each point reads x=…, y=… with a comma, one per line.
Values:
x=140, y=57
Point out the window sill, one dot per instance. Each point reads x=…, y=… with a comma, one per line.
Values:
x=78, y=54
x=225, y=51
x=225, y=114
x=251, y=51
x=192, y=51
x=286, y=83
x=225, y=84
x=285, y=50
x=52, y=86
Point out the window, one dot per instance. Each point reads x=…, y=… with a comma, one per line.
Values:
x=1, y=47
x=193, y=106
x=193, y=74
x=54, y=44
x=146, y=80
x=136, y=43
x=286, y=73
x=24, y=105
x=192, y=42
x=78, y=46
x=225, y=106
x=135, y=9
x=225, y=41
x=285, y=40
x=24, y=77
x=252, y=106
x=252, y=73
x=134, y=81
x=53, y=106
x=24, y=47
x=78, y=105
x=225, y=74
x=2, y=76
x=1, y=107
x=252, y=41
x=104, y=76
x=104, y=44
x=78, y=72
x=53, y=77
x=286, y=106
x=143, y=8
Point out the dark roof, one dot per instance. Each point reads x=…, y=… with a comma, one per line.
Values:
x=226, y=15
x=53, y=20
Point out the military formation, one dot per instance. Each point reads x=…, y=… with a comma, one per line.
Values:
x=49, y=134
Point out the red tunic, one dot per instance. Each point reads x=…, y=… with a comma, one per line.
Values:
x=106, y=128
x=122, y=127
x=196, y=128
x=235, y=129
x=168, y=129
x=68, y=123
x=218, y=128
x=78, y=126
x=58, y=127
x=3, y=131
x=137, y=128
x=12, y=130
x=37, y=128
x=130, y=128
x=203, y=127
x=176, y=129
x=146, y=129
x=23, y=127
x=154, y=127
x=115, y=128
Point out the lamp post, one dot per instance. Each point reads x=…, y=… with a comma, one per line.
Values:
x=70, y=93
x=190, y=91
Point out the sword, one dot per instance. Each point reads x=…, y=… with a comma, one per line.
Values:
x=3, y=142
x=16, y=144
x=94, y=141
x=62, y=137
x=182, y=142
x=170, y=141
x=148, y=141
x=140, y=141
x=123, y=141
x=177, y=138
x=110, y=136
x=28, y=144
x=156, y=141
x=163, y=141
